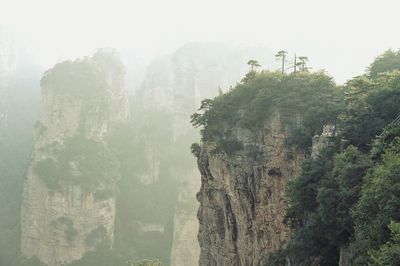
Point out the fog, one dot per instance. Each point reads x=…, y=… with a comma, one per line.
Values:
x=339, y=36
x=104, y=119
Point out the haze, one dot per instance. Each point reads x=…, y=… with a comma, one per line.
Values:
x=340, y=36
x=208, y=132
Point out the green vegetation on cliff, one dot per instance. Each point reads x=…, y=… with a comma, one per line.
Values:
x=305, y=101
x=386, y=62
x=349, y=197
x=371, y=104
x=79, y=161
x=346, y=197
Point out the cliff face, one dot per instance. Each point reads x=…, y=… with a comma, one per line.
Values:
x=242, y=201
x=185, y=248
x=175, y=85
x=64, y=212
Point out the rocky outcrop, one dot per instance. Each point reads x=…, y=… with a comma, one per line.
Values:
x=242, y=201
x=176, y=84
x=185, y=249
x=320, y=142
x=63, y=220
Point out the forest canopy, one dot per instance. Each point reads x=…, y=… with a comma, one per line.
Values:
x=347, y=198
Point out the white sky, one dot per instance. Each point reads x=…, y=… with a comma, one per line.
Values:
x=340, y=36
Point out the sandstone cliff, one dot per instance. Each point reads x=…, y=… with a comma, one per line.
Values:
x=185, y=249
x=253, y=141
x=68, y=208
x=174, y=85
x=242, y=201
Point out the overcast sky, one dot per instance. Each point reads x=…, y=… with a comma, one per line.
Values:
x=340, y=36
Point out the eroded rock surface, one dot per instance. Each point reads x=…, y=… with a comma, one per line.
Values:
x=242, y=201
x=60, y=224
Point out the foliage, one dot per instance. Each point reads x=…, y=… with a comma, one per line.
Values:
x=340, y=191
x=389, y=253
x=304, y=216
x=281, y=56
x=228, y=146
x=79, y=161
x=378, y=204
x=345, y=197
x=312, y=96
x=253, y=152
x=195, y=149
x=386, y=62
x=390, y=139
x=253, y=64
x=320, y=201
x=302, y=63
x=371, y=105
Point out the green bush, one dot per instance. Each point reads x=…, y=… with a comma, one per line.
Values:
x=386, y=62
x=48, y=171
x=389, y=253
x=371, y=105
x=228, y=146
x=305, y=101
x=195, y=149
x=79, y=161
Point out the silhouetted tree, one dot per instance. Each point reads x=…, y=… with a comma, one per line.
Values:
x=281, y=55
x=386, y=62
x=302, y=63
x=253, y=63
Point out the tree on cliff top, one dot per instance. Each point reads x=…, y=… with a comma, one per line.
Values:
x=253, y=64
x=311, y=96
x=281, y=56
x=386, y=62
